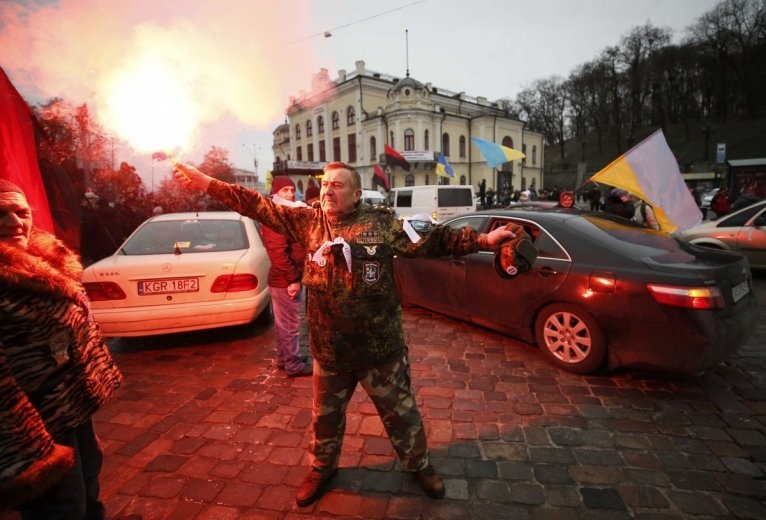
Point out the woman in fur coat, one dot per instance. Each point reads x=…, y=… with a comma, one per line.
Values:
x=55, y=371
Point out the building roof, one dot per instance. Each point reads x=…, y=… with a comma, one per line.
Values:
x=408, y=82
x=747, y=162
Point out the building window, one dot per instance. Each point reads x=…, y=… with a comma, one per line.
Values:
x=462, y=146
x=336, y=148
x=409, y=139
x=322, y=154
x=524, y=151
x=298, y=153
x=308, y=128
x=320, y=124
x=310, y=151
x=352, y=148
x=350, y=116
x=426, y=145
x=297, y=131
x=335, y=121
x=373, y=150
x=507, y=166
x=534, y=154
x=391, y=140
x=462, y=180
x=445, y=143
x=409, y=180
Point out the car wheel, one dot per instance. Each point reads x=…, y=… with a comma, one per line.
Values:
x=570, y=338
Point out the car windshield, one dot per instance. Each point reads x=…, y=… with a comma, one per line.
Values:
x=186, y=236
x=631, y=240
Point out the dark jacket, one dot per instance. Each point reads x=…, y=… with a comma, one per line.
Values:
x=55, y=369
x=354, y=317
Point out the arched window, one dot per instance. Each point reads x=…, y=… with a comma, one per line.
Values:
x=409, y=180
x=425, y=140
x=409, y=139
x=350, y=116
x=462, y=180
x=308, y=128
x=373, y=149
x=445, y=143
x=320, y=124
x=462, y=146
x=534, y=154
x=391, y=140
x=524, y=151
x=335, y=121
x=297, y=131
x=508, y=166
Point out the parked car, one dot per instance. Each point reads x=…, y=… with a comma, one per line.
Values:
x=180, y=272
x=743, y=231
x=603, y=292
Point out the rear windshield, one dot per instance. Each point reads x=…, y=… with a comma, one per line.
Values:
x=632, y=240
x=455, y=197
x=186, y=236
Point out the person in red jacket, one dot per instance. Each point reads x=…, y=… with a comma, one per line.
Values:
x=285, y=274
x=721, y=203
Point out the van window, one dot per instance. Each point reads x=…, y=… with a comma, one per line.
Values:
x=404, y=199
x=455, y=197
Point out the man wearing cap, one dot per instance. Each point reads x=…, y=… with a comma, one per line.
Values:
x=285, y=285
x=353, y=313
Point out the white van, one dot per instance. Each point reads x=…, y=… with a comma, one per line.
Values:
x=439, y=201
x=373, y=198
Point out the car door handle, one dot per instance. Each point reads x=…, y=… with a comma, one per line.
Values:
x=547, y=272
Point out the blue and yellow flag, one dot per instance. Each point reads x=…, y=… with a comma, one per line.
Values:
x=443, y=167
x=495, y=154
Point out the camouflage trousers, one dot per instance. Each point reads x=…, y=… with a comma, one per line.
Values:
x=391, y=392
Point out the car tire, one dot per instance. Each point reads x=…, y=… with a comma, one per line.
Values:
x=570, y=338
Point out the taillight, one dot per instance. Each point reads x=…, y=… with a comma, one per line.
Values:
x=690, y=297
x=234, y=283
x=103, y=291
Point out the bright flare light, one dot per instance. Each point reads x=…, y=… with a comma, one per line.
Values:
x=150, y=107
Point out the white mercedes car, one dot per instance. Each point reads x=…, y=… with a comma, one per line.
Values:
x=180, y=272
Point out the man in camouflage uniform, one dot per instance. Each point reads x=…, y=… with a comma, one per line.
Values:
x=353, y=311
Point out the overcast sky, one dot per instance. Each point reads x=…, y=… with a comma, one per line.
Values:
x=242, y=59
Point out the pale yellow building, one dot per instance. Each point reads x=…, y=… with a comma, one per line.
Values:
x=352, y=117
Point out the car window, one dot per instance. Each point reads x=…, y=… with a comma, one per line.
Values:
x=454, y=197
x=475, y=222
x=632, y=240
x=186, y=236
x=741, y=218
x=546, y=246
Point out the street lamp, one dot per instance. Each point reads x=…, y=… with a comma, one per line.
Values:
x=707, y=128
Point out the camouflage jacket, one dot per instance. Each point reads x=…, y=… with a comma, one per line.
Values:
x=354, y=314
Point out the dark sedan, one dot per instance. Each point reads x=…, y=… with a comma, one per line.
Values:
x=602, y=292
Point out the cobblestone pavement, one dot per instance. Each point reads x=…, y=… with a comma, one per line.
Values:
x=207, y=427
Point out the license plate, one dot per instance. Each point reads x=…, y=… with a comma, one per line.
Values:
x=168, y=286
x=739, y=291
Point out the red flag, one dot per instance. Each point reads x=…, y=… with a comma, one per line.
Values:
x=394, y=158
x=381, y=177
x=18, y=152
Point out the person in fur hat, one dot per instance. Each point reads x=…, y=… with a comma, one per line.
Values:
x=55, y=372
